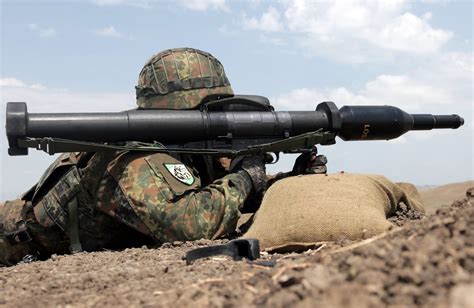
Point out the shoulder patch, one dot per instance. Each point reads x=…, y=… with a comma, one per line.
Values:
x=180, y=172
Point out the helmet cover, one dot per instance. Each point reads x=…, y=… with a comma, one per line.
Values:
x=180, y=78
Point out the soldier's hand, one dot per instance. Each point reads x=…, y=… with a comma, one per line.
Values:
x=310, y=163
x=254, y=166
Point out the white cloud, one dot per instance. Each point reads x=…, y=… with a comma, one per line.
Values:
x=42, y=32
x=43, y=99
x=269, y=21
x=353, y=31
x=404, y=90
x=16, y=83
x=408, y=33
x=396, y=90
x=38, y=86
x=440, y=85
x=204, y=5
x=11, y=82
x=436, y=1
x=195, y=5
x=109, y=31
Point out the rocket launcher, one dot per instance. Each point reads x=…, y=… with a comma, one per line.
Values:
x=240, y=125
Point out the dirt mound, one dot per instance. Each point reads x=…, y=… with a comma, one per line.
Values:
x=427, y=262
x=436, y=197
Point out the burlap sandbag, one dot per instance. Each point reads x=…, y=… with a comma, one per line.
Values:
x=304, y=210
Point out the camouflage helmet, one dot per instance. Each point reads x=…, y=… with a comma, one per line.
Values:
x=180, y=78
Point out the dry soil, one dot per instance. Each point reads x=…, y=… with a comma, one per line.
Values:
x=428, y=261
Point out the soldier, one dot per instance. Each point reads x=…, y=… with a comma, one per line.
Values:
x=114, y=200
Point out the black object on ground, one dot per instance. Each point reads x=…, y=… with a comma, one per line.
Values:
x=237, y=249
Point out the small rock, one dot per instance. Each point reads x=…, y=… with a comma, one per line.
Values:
x=287, y=280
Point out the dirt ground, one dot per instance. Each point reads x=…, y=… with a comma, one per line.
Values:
x=428, y=261
x=442, y=196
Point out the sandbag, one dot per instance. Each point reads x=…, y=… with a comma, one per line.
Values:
x=304, y=210
x=413, y=195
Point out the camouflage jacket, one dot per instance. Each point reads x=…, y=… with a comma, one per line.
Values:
x=126, y=197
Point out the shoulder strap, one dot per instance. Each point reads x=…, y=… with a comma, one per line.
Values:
x=88, y=186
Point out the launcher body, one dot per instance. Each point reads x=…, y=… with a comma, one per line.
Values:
x=241, y=125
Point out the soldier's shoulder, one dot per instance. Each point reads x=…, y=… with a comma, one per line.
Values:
x=154, y=170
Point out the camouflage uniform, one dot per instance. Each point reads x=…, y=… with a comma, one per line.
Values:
x=100, y=200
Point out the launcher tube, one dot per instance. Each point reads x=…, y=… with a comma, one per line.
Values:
x=184, y=126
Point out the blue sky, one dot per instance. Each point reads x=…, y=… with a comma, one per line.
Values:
x=86, y=56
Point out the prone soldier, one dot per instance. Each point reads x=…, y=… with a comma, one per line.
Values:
x=117, y=199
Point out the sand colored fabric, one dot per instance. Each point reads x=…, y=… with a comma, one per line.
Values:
x=413, y=195
x=305, y=210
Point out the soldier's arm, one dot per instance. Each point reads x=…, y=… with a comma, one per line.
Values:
x=212, y=211
x=204, y=212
